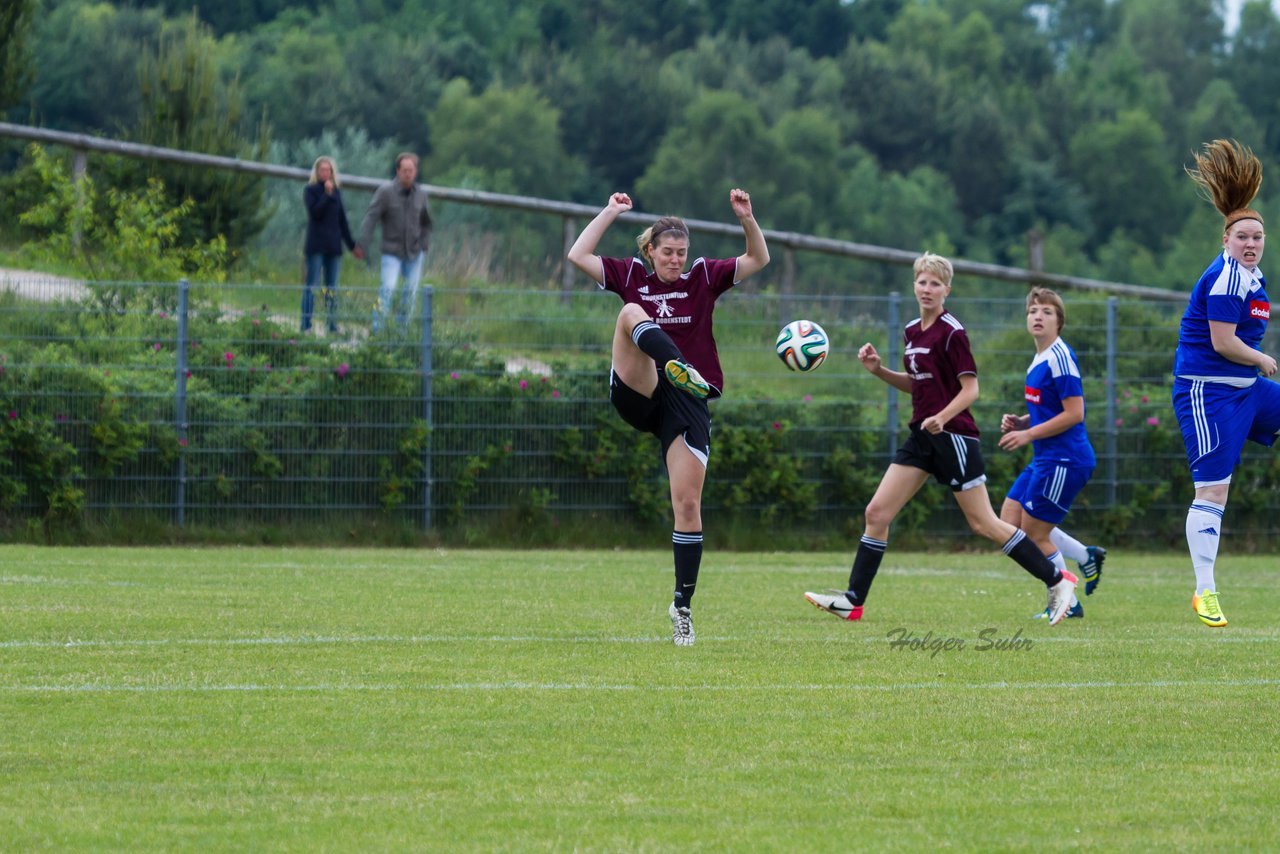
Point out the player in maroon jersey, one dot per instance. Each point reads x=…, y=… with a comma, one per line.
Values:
x=942, y=380
x=665, y=364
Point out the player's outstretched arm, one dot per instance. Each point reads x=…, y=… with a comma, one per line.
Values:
x=583, y=252
x=757, y=254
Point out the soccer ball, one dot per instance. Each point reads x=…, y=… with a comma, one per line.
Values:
x=802, y=345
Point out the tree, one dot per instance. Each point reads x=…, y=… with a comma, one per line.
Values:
x=15, y=70
x=1124, y=166
x=512, y=136
x=85, y=57
x=722, y=142
x=185, y=106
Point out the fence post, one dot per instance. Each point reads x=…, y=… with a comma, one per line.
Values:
x=566, y=269
x=893, y=359
x=1112, y=407
x=180, y=400
x=788, y=283
x=427, y=393
x=79, y=168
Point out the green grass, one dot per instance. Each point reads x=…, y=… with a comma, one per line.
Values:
x=355, y=700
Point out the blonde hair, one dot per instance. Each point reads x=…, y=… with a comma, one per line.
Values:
x=935, y=264
x=1229, y=175
x=648, y=238
x=1044, y=296
x=315, y=170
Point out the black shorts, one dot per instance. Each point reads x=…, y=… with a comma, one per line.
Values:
x=670, y=414
x=955, y=460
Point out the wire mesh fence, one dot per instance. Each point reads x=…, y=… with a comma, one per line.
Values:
x=207, y=405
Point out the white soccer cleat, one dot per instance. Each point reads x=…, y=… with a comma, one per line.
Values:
x=1061, y=596
x=681, y=625
x=835, y=602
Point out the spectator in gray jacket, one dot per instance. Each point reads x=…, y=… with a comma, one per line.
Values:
x=401, y=208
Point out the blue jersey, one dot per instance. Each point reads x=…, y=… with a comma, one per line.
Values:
x=1054, y=376
x=1228, y=292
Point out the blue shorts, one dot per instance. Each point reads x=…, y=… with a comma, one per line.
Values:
x=1046, y=489
x=1217, y=419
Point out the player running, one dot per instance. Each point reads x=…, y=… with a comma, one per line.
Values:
x=942, y=380
x=1064, y=460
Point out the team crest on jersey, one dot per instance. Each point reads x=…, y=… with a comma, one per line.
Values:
x=1260, y=309
x=664, y=309
x=1031, y=394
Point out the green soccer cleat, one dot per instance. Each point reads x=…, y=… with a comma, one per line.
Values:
x=1207, y=609
x=685, y=377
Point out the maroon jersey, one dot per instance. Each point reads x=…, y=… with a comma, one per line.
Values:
x=682, y=309
x=935, y=359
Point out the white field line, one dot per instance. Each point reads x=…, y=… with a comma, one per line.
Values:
x=417, y=640
x=840, y=687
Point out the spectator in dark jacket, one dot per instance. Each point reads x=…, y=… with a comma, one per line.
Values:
x=400, y=207
x=327, y=231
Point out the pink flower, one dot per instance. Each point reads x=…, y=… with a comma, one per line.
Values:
x=777, y=425
x=524, y=384
x=1144, y=399
x=163, y=315
x=1119, y=422
x=1153, y=421
x=182, y=443
x=453, y=375
x=188, y=375
x=1132, y=410
x=293, y=342
x=230, y=357
x=555, y=392
x=156, y=346
x=13, y=416
x=342, y=370
x=544, y=379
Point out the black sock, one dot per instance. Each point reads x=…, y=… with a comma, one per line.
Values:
x=1029, y=557
x=866, y=563
x=654, y=342
x=688, y=554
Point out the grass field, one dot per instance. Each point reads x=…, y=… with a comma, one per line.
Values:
x=324, y=700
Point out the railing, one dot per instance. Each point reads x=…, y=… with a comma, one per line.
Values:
x=572, y=214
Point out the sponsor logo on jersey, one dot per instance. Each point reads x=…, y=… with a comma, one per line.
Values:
x=1031, y=394
x=1258, y=308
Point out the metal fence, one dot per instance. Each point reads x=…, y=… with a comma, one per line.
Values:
x=206, y=405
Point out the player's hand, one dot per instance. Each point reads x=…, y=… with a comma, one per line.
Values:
x=1267, y=366
x=359, y=253
x=328, y=187
x=1015, y=439
x=1008, y=422
x=619, y=202
x=869, y=358
x=740, y=201
x=932, y=425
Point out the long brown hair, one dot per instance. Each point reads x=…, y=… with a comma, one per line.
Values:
x=1229, y=176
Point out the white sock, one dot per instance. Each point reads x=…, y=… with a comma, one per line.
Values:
x=1060, y=562
x=1204, y=530
x=1069, y=545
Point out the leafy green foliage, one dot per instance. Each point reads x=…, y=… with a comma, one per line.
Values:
x=122, y=235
